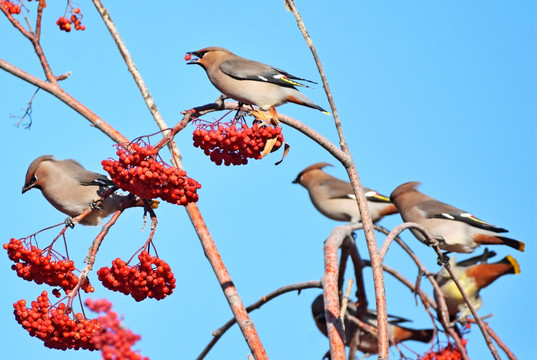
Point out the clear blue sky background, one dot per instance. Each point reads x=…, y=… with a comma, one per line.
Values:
x=439, y=92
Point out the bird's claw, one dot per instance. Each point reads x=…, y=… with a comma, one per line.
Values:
x=69, y=222
x=96, y=204
x=443, y=259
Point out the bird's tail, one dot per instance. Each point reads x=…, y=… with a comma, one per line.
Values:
x=422, y=335
x=483, y=239
x=301, y=99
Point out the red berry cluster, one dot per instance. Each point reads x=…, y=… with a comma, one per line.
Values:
x=66, y=24
x=450, y=352
x=32, y=265
x=141, y=174
x=114, y=340
x=152, y=277
x=231, y=146
x=54, y=325
x=11, y=7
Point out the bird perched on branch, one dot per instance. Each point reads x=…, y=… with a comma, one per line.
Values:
x=455, y=229
x=365, y=341
x=474, y=274
x=250, y=82
x=335, y=199
x=72, y=189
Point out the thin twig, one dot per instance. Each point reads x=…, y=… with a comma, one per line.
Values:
x=426, y=299
x=151, y=105
x=343, y=259
x=237, y=307
x=378, y=276
x=359, y=275
x=442, y=257
x=309, y=41
x=345, y=300
x=500, y=343
x=256, y=305
x=442, y=309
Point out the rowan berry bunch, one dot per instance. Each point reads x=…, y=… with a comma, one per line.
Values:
x=73, y=22
x=234, y=143
x=450, y=352
x=55, y=326
x=32, y=264
x=151, y=277
x=141, y=173
x=11, y=7
x=114, y=340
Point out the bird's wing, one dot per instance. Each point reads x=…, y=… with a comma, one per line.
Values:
x=440, y=210
x=85, y=177
x=487, y=254
x=244, y=69
x=339, y=189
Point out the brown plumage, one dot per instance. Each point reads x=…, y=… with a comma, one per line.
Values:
x=335, y=199
x=250, y=82
x=71, y=189
x=455, y=229
x=367, y=342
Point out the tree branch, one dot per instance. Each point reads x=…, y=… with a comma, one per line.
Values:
x=246, y=325
x=378, y=275
x=334, y=325
x=441, y=256
x=218, y=333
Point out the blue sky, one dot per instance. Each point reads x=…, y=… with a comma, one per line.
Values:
x=442, y=93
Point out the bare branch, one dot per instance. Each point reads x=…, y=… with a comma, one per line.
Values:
x=378, y=275
x=256, y=305
x=442, y=258
x=129, y=61
x=334, y=325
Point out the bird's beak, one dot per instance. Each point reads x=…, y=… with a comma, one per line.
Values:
x=296, y=181
x=26, y=188
x=195, y=59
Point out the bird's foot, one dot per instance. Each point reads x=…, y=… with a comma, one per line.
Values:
x=69, y=222
x=443, y=259
x=96, y=204
x=239, y=114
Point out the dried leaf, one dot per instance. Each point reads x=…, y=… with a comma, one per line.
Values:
x=286, y=148
x=273, y=116
x=268, y=146
x=270, y=117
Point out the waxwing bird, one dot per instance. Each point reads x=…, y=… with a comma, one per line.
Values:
x=455, y=229
x=335, y=199
x=250, y=82
x=71, y=189
x=474, y=275
x=365, y=341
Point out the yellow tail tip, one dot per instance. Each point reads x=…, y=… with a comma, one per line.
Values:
x=521, y=247
x=514, y=263
x=154, y=204
x=327, y=113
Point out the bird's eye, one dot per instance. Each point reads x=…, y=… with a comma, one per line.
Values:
x=33, y=179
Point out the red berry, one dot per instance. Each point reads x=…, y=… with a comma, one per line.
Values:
x=188, y=57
